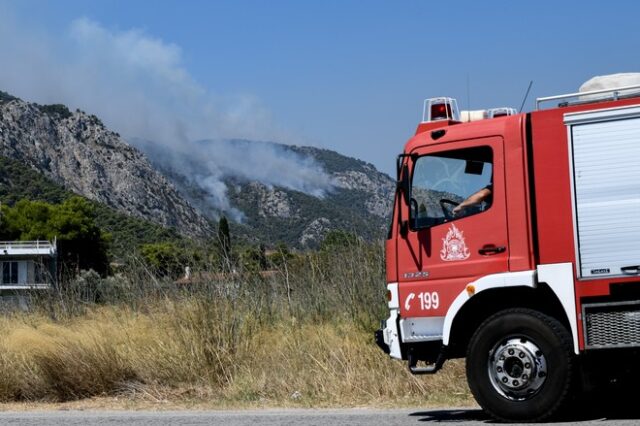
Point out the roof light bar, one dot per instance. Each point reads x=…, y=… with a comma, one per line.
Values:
x=501, y=112
x=436, y=109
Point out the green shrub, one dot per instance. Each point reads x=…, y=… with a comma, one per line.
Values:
x=56, y=110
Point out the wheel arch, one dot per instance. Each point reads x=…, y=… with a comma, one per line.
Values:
x=483, y=305
x=550, y=289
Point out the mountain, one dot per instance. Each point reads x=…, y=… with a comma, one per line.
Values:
x=272, y=192
x=77, y=151
x=356, y=197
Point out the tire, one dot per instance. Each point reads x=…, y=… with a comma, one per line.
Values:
x=520, y=365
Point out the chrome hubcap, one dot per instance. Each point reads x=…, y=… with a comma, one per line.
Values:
x=517, y=368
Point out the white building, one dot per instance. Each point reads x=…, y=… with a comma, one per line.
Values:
x=27, y=265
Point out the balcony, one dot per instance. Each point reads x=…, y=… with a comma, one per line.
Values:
x=26, y=248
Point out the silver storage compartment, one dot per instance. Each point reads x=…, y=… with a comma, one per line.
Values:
x=604, y=147
x=611, y=325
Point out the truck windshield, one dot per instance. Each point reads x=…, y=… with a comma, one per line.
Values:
x=451, y=185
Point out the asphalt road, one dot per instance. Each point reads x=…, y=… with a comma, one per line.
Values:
x=455, y=417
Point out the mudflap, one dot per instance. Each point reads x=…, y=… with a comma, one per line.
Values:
x=379, y=338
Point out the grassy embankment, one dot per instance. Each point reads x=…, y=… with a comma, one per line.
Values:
x=301, y=338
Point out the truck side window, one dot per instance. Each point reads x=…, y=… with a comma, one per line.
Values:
x=451, y=185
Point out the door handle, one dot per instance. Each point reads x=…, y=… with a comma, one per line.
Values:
x=631, y=270
x=490, y=249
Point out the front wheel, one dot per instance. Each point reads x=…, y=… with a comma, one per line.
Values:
x=520, y=365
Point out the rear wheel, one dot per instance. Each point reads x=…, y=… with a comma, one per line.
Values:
x=520, y=365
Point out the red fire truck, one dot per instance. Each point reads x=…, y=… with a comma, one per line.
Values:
x=515, y=242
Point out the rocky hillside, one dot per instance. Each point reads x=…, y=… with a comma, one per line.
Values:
x=358, y=199
x=274, y=192
x=359, y=202
x=75, y=150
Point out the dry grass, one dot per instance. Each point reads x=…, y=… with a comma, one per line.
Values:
x=176, y=352
x=301, y=338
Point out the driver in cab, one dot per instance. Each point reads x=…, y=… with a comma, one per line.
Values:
x=485, y=194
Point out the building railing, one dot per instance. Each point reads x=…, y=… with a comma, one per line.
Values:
x=26, y=245
x=25, y=286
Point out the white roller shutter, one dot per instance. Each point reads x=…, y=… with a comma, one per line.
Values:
x=605, y=149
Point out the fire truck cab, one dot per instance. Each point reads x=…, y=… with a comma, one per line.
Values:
x=515, y=243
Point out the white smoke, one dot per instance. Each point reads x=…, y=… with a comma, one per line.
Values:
x=138, y=85
x=268, y=163
x=207, y=163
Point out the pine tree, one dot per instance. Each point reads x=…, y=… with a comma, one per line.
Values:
x=224, y=238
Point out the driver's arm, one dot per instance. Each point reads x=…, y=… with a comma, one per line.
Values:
x=473, y=199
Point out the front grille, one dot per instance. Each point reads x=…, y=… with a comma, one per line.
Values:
x=612, y=325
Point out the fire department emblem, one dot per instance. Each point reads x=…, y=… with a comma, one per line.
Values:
x=453, y=246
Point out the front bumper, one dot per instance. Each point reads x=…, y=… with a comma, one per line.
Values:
x=388, y=337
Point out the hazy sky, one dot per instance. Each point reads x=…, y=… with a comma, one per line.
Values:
x=345, y=75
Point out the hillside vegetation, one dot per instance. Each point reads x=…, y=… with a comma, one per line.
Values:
x=126, y=233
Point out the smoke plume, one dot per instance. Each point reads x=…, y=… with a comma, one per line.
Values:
x=138, y=85
x=207, y=163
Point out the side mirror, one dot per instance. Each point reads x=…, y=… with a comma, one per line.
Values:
x=404, y=184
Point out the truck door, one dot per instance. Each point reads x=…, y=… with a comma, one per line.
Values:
x=444, y=251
